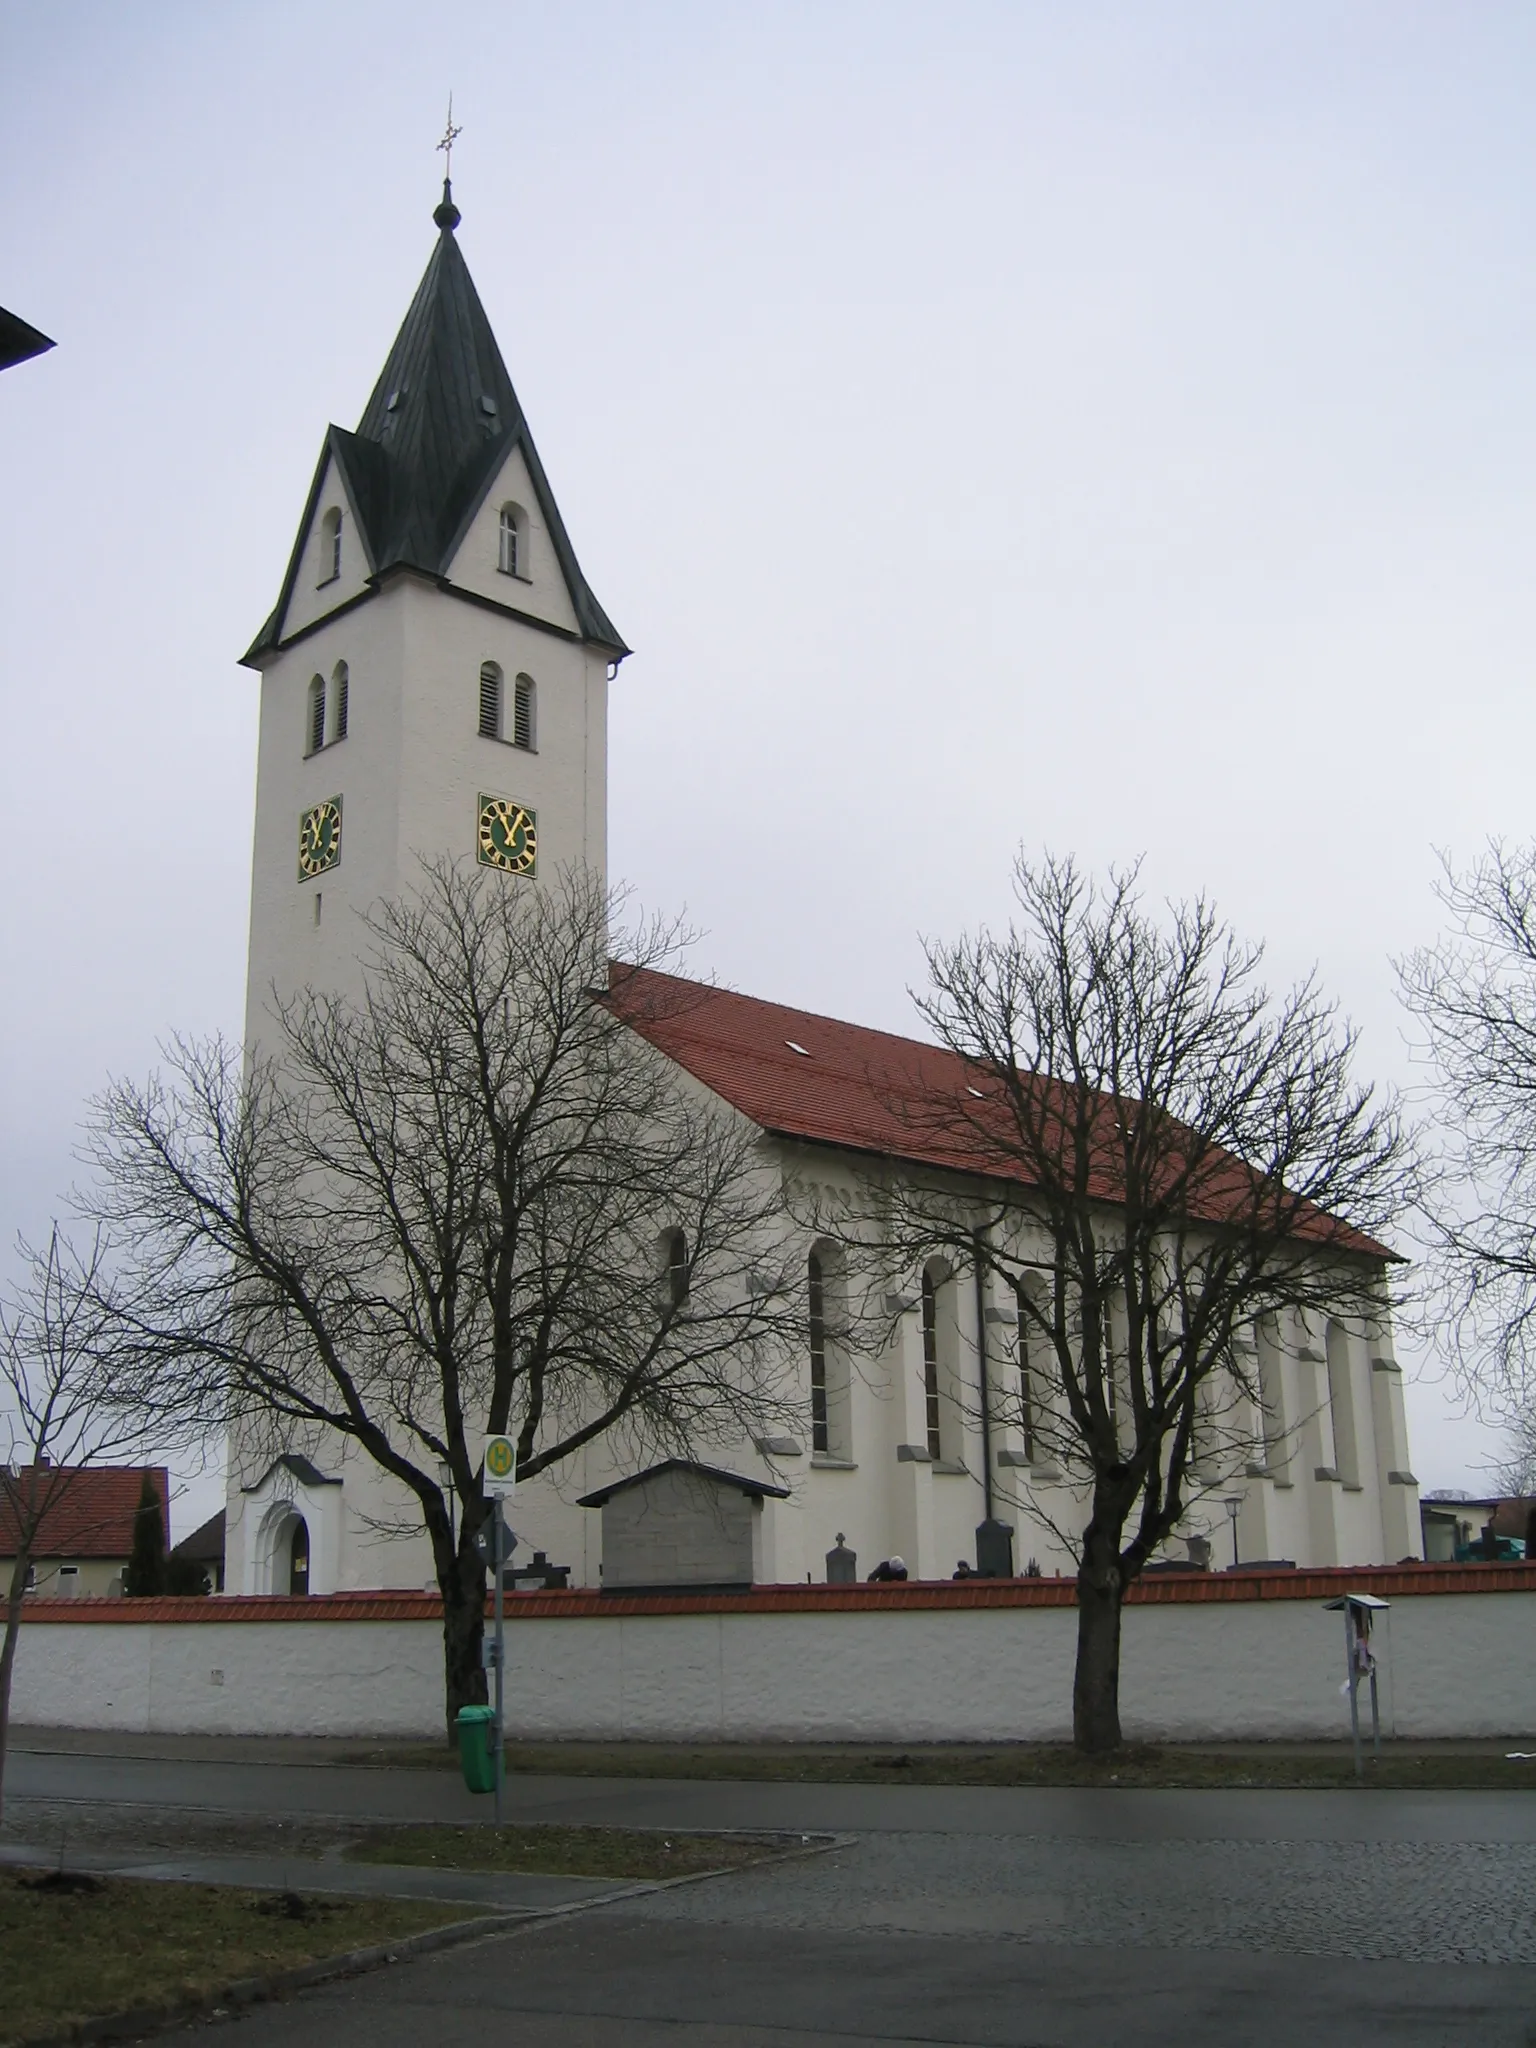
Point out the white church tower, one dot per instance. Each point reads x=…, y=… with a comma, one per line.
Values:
x=434, y=677
x=434, y=682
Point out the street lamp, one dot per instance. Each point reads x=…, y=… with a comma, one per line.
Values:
x=1233, y=1503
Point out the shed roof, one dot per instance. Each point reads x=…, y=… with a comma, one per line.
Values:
x=758, y=1489
x=206, y=1543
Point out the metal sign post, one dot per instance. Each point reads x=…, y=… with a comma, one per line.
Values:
x=1360, y=1662
x=499, y=1552
x=500, y=1484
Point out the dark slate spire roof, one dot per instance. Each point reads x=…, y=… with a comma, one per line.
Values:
x=442, y=420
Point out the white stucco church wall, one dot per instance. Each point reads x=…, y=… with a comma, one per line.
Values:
x=403, y=580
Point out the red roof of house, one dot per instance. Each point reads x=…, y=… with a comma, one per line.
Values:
x=87, y=1510
x=803, y=1076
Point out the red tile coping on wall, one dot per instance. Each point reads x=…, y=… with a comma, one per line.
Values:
x=1173, y=1589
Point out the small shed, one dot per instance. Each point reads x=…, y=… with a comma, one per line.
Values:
x=681, y=1527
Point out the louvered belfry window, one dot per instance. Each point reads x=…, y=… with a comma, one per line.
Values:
x=522, y=712
x=490, y=700
x=340, y=682
x=316, y=733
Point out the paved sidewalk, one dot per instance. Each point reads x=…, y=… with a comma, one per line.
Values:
x=493, y=1891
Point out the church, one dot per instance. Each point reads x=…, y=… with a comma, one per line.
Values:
x=434, y=681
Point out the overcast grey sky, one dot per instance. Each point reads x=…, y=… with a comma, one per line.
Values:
x=1105, y=427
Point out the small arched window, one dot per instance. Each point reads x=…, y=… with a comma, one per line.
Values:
x=340, y=681
x=675, y=1247
x=512, y=551
x=330, y=546
x=524, y=708
x=490, y=700
x=931, y=1364
x=314, y=719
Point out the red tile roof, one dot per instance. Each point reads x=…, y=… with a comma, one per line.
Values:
x=816, y=1078
x=87, y=1510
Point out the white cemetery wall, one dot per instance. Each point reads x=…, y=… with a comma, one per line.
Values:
x=858, y=1664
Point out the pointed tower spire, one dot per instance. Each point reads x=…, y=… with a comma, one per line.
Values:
x=440, y=425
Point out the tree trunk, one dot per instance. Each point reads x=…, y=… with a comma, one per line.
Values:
x=463, y=1589
x=15, y=1595
x=1096, y=1681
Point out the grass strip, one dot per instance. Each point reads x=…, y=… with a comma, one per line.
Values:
x=549, y=1851
x=76, y=1947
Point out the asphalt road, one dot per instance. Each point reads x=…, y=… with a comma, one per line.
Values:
x=1035, y=1918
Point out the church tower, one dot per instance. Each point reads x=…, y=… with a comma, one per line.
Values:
x=434, y=676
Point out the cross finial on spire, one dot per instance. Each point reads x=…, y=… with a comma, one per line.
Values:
x=450, y=136
x=447, y=214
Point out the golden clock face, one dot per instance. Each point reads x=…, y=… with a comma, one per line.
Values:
x=508, y=836
x=320, y=839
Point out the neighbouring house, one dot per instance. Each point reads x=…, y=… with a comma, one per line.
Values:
x=85, y=1537
x=1454, y=1526
x=205, y=1547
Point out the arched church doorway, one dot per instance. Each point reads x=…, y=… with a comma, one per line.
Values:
x=298, y=1556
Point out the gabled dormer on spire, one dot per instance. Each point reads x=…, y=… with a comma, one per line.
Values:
x=442, y=425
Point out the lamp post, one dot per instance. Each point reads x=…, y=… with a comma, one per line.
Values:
x=1233, y=1504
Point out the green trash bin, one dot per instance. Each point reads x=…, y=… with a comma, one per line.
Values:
x=477, y=1747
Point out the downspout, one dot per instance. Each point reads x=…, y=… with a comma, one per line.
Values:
x=981, y=1364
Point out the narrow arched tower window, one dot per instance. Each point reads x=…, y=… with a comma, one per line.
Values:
x=524, y=705
x=340, y=684
x=330, y=546
x=490, y=700
x=298, y=1557
x=314, y=722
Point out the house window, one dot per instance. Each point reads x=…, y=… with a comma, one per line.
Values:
x=330, y=547
x=931, y=1363
x=675, y=1247
x=821, y=1439
x=524, y=704
x=298, y=1558
x=490, y=700
x=512, y=552
x=339, y=689
x=314, y=726
x=69, y=1581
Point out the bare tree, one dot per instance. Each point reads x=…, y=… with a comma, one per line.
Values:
x=1155, y=1156
x=1474, y=993
x=471, y=1199
x=63, y=1412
